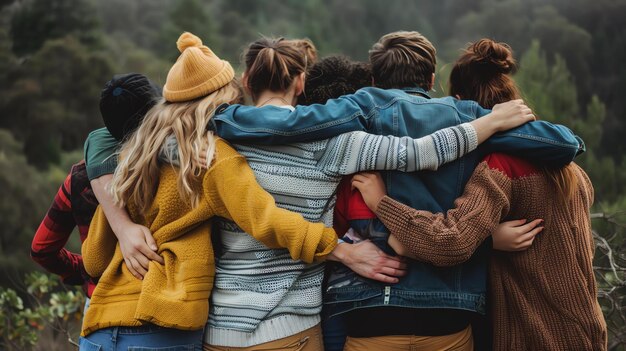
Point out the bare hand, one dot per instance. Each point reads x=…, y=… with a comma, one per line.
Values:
x=138, y=248
x=367, y=260
x=371, y=186
x=397, y=246
x=515, y=235
x=511, y=114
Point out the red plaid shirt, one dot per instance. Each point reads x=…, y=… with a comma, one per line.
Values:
x=74, y=205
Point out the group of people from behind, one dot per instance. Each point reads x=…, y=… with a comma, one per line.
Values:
x=216, y=218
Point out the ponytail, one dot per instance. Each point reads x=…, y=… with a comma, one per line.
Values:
x=273, y=64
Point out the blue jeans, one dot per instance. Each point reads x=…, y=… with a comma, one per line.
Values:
x=144, y=338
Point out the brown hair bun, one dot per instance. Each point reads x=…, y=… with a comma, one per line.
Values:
x=493, y=56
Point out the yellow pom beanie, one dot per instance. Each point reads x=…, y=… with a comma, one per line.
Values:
x=197, y=72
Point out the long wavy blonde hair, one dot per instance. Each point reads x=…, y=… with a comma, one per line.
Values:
x=137, y=175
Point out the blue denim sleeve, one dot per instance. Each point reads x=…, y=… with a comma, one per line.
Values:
x=542, y=142
x=272, y=125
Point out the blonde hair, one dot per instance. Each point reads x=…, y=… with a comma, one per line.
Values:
x=136, y=177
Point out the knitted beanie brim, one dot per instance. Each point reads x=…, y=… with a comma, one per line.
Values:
x=216, y=82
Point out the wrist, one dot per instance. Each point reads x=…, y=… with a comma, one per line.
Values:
x=340, y=252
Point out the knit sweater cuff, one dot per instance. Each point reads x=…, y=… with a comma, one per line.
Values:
x=390, y=211
x=472, y=136
x=327, y=243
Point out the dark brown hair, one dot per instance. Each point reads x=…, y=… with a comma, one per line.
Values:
x=273, y=64
x=332, y=77
x=483, y=74
x=403, y=59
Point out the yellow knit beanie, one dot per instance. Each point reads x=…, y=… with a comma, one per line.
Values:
x=197, y=72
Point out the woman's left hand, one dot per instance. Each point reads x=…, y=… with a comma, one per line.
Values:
x=371, y=186
x=516, y=235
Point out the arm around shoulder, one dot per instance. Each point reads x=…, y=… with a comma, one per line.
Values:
x=232, y=192
x=543, y=142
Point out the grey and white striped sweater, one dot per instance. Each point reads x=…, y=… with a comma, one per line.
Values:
x=260, y=294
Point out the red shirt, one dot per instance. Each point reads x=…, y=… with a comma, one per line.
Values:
x=73, y=205
x=350, y=206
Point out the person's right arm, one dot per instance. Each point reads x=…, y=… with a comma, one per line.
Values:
x=232, y=192
x=136, y=241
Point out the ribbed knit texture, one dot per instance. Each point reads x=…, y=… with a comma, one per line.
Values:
x=176, y=294
x=544, y=298
x=197, y=72
x=260, y=294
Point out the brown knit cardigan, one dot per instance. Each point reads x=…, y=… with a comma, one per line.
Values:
x=544, y=298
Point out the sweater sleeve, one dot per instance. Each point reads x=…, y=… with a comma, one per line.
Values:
x=47, y=248
x=233, y=193
x=99, y=246
x=359, y=151
x=446, y=240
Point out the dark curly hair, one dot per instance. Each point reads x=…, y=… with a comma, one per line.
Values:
x=332, y=77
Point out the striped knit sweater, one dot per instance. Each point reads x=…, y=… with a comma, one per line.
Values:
x=543, y=298
x=261, y=294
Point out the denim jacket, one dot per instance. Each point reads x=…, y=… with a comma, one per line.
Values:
x=407, y=112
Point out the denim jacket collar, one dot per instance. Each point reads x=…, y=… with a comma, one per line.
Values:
x=416, y=91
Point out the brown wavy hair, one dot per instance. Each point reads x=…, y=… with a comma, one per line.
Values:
x=483, y=73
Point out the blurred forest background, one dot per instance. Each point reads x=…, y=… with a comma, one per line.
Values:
x=55, y=56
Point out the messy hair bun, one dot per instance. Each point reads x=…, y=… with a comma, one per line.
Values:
x=483, y=74
x=495, y=57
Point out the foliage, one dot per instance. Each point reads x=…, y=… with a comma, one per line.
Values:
x=36, y=21
x=51, y=306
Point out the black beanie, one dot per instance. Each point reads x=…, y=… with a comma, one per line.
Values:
x=124, y=102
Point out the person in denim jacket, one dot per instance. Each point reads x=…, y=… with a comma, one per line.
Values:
x=429, y=301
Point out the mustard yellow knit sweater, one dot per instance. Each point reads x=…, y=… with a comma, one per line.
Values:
x=176, y=294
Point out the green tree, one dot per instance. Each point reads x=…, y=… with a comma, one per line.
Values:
x=548, y=89
x=26, y=196
x=186, y=16
x=37, y=21
x=51, y=112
